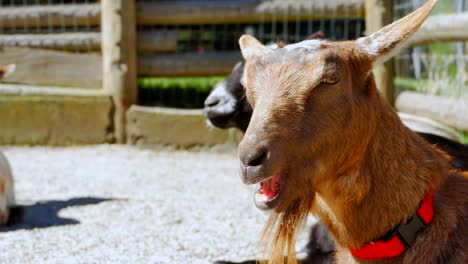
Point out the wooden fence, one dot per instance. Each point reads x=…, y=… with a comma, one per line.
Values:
x=111, y=55
x=110, y=59
x=32, y=18
x=448, y=110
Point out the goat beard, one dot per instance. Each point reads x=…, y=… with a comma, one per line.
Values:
x=278, y=239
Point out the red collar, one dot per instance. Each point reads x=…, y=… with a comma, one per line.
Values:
x=401, y=237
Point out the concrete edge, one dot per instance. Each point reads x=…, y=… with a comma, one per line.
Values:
x=177, y=128
x=53, y=119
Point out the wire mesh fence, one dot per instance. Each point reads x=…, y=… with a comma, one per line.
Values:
x=436, y=68
x=190, y=44
x=70, y=25
x=201, y=37
x=54, y=43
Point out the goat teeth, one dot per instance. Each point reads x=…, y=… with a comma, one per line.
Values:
x=260, y=197
x=276, y=186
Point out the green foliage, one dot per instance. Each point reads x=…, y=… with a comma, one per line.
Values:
x=464, y=136
x=402, y=83
x=441, y=48
x=450, y=87
x=188, y=83
x=186, y=92
x=444, y=6
x=444, y=49
x=439, y=63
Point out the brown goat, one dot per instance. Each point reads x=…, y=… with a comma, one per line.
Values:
x=323, y=140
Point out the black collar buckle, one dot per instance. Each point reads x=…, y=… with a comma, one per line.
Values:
x=408, y=231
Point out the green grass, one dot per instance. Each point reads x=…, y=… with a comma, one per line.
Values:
x=443, y=48
x=450, y=88
x=464, y=136
x=408, y=83
x=444, y=7
x=202, y=84
x=183, y=92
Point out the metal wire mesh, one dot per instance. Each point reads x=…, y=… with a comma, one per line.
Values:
x=71, y=25
x=201, y=43
x=436, y=68
x=288, y=28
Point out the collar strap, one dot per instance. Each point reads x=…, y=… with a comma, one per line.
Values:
x=395, y=242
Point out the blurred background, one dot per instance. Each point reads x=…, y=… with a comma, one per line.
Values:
x=434, y=67
x=170, y=54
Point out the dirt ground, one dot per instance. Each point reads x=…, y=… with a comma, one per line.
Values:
x=121, y=204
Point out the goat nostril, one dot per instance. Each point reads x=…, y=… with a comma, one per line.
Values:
x=259, y=159
x=212, y=102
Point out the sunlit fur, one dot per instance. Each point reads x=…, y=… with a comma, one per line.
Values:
x=349, y=158
x=280, y=232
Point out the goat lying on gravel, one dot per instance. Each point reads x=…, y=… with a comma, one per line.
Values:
x=321, y=139
x=228, y=107
x=9, y=214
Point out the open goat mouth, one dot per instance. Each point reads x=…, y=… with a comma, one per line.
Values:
x=268, y=192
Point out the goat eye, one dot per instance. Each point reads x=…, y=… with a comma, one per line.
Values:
x=329, y=81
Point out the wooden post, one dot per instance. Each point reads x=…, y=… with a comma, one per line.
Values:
x=118, y=29
x=460, y=52
x=417, y=51
x=378, y=15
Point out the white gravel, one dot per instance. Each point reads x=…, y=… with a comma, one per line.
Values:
x=120, y=204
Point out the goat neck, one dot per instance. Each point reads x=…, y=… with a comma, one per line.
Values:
x=381, y=183
x=322, y=139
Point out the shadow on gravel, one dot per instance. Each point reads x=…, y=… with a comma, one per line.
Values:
x=44, y=214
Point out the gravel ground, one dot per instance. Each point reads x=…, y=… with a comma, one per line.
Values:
x=120, y=204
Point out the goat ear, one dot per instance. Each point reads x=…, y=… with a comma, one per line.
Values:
x=252, y=47
x=386, y=42
x=7, y=70
x=317, y=35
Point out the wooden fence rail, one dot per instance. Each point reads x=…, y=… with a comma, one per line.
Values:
x=154, y=41
x=446, y=27
x=187, y=64
x=446, y=110
x=173, y=13
x=114, y=69
x=39, y=16
x=39, y=67
x=157, y=41
x=62, y=41
x=220, y=12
